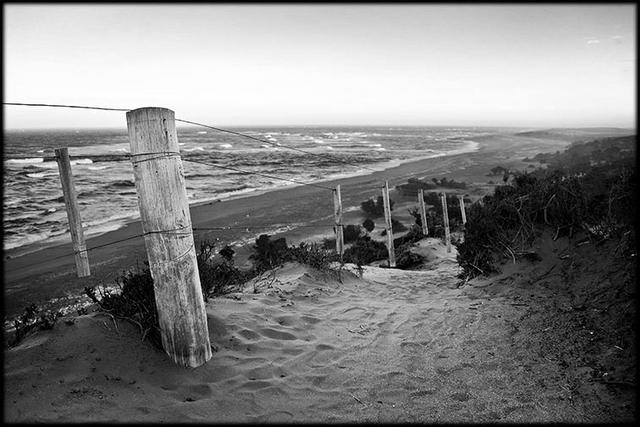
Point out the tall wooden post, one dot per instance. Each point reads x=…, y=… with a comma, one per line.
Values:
x=445, y=218
x=337, y=209
x=73, y=212
x=464, y=215
x=387, y=220
x=168, y=236
x=423, y=212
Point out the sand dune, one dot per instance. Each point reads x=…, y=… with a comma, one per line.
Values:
x=299, y=345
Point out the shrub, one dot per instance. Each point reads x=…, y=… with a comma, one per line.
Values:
x=227, y=253
x=417, y=216
x=32, y=318
x=396, y=227
x=407, y=260
x=414, y=235
x=313, y=255
x=267, y=253
x=329, y=243
x=375, y=208
x=351, y=233
x=218, y=277
x=135, y=302
x=365, y=250
x=368, y=225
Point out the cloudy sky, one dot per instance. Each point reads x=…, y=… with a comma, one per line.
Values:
x=488, y=65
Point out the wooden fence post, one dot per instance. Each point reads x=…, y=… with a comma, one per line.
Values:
x=445, y=217
x=337, y=209
x=423, y=212
x=168, y=236
x=73, y=212
x=464, y=215
x=387, y=219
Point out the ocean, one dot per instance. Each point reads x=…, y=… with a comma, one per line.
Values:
x=34, y=207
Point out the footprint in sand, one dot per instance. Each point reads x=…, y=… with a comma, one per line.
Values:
x=410, y=347
x=461, y=397
x=310, y=319
x=277, y=335
x=321, y=347
x=249, y=334
x=421, y=393
x=255, y=385
x=287, y=320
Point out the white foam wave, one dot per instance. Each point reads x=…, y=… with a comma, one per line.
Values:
x=97, y=168
x=26, y=161
x=41, y=174
x=202, y=132
x=194, y=149
x=82, y=162
x=225, y=145
x=47, y=165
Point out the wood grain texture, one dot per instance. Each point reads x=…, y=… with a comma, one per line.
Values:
x=387, y=222
x=337, y=209
x=462, y=209
x=423, y=212
x=73, y=212
x=166, y=222
x=445, y=218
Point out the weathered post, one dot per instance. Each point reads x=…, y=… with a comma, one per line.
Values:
x=73, y=212
x=423, y=212
x=168, y=236
x=464, y=215
x=337, y=209
x=387, y=220
x=445, y=218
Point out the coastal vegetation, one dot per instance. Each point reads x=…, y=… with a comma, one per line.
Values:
x=396, y=227
x=414, y=185
x=578, y=194
x=374, y=208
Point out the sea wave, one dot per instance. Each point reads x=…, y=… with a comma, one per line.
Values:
x=31, y=160
x=42, y=174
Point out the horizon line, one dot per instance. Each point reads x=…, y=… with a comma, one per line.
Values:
x=536, y=127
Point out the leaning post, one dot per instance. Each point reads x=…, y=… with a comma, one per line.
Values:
x=445, y=217
x=423, y=212
x=337, y=209
x=73, y=212
x=168, y=236
x=462, y=212
x=387, y=220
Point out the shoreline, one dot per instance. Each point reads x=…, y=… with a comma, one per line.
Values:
x=29, y=279
x=35, y=246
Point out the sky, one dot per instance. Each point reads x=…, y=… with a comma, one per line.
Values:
x=270, y=65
